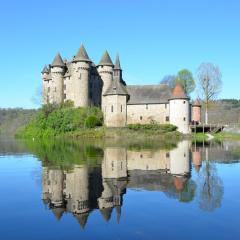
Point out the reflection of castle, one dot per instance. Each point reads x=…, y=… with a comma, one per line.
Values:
x=84, y=188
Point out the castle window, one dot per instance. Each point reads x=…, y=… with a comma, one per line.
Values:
x=64, y=86
x=167, y=155
x=184, y=119
x=165, y=106
x=141, y=118
x=146, y=106
x=65, y=95
x=111, y=108
x=184, y=102
x=167, y=119
x=121, y=108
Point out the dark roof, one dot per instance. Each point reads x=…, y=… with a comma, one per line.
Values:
x=178, y=92
x=117, y=65
x=106, y=60
x=82, y=219
x=45, y=69
x=81, y=55
x=57, y=61
x=116, y=88
x=146, y=94
x=106, y=213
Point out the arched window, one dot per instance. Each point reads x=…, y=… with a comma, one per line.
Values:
x=111, y=108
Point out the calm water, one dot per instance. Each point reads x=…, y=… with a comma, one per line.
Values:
x=63, y=190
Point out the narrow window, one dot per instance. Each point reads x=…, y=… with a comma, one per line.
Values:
x=65, y=87
x=111, y=108
x=121, y=108
x=184, y=119
x=140, y=117
x=121, y=165
x=184, y=102
x=167, y=155
x=146, y=106
x=167, y=119
x=165, y=106
x=65, y=95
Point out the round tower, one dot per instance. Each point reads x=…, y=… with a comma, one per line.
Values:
x=179, y=109
x=105, y=70
x=58, y=69
x=196, y=112
x=81, y=65
x=45, y=85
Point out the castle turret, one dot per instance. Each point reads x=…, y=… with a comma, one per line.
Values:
x=105, y=70
x=114, y=100
x=117, y=71
x=179, y=109
x=46, y=84
x=196, y=112
x=81, y=65
x=58, y=68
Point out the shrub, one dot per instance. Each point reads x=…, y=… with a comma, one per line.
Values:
x=92, y=122
x=153, y=126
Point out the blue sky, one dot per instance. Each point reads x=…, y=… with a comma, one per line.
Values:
x=154, y=38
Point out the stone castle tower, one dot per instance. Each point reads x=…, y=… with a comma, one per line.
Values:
x=102, y=85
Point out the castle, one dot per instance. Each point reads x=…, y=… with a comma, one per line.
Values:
x=102, y=85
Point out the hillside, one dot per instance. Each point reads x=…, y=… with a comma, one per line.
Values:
x=226, y=111
x=12, y=119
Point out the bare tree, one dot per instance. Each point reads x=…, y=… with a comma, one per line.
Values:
x=209, y=84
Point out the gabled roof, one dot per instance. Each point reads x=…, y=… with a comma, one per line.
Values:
x=106, y=60
x=116, y=88
x=45, y=69
x=178, y=92
x=81, y=55
x=57, y=61
x=147, y=94
x=117, y=65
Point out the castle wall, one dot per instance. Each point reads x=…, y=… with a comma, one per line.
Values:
x=148, y=160
x=114, y=110
x=145, y=113
x=68, y=92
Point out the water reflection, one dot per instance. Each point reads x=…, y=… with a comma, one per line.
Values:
x=83, y=188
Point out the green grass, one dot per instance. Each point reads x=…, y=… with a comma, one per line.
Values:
x=199, y=137
x=225, y=135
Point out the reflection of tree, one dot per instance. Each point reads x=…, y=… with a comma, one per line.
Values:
x=210, y=188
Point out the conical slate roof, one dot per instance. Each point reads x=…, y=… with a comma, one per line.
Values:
x=82, y=219
x=58, y=212
x=57, y=61
x=82, y=55
x=117, y=65
x=178, y=92
x=45, y=69
x=106, y=60
x=116, y=88
x=106, y=213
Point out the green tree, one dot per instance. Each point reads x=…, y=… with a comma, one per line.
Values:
x=185, y=78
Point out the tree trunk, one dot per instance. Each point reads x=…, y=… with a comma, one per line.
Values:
x=206, y=115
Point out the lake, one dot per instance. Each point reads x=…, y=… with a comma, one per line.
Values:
x=119, y=190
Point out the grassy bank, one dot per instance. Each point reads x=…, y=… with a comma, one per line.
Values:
x=200, y=137
x=68, y=122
